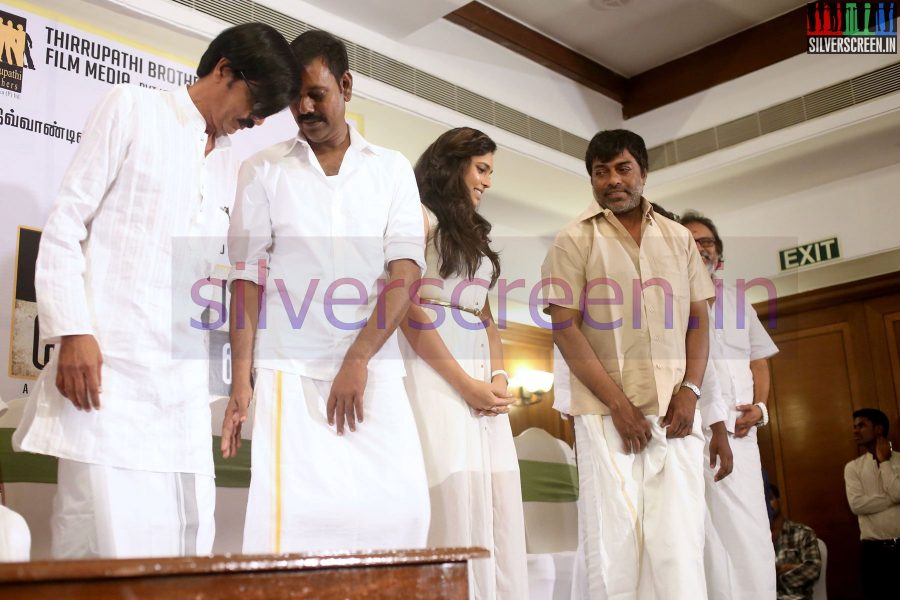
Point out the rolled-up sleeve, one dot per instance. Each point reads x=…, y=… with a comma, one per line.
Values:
x=250, y=230
x=63, y=304
x=404, y=234
x=563, y=276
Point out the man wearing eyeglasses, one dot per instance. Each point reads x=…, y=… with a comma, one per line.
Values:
x=740, y=557
x=127, y=418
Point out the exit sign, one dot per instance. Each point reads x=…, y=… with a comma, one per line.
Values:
x=809, y=254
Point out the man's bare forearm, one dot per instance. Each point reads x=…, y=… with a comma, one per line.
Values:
x=759, y=368
x=697, y=344
x=390, y=309
x=243, y=320
x=426, y=341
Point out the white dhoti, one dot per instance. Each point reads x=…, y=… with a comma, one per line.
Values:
x=739, y=556
x=642, y=514
x=108, y=512
x=314, y=491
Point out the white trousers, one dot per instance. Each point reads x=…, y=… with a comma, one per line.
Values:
x=739, y=556
x=108, y=512
x=314, y=491
x=642, y=515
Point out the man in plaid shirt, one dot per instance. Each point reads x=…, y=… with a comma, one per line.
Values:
x=797, y=558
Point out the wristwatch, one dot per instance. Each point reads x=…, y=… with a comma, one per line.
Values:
x=765, y=414
x=693, y=387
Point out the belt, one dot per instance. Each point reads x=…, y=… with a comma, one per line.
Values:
x=474, y=311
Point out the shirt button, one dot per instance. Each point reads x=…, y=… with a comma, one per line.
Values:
x=650, y=309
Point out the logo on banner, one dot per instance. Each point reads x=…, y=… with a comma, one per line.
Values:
x=851, y=28
x=27, y=355
x=15, y=51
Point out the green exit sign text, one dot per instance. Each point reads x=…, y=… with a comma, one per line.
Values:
x=809, y=254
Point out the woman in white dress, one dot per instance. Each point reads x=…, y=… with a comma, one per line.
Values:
x=455, y=377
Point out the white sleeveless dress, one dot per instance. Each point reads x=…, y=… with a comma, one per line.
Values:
x=473, y=472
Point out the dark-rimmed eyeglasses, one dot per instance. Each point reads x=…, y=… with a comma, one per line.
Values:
x=706, y=242
x=256, y=107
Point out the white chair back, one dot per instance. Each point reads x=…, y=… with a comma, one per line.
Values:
x=549, y=526
x=819, y=592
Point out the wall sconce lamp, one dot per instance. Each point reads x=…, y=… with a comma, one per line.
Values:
x=530, y=385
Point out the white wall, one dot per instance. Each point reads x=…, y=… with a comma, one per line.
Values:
x=761, y=89
x=861, y=211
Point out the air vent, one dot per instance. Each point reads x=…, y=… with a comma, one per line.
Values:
x=877, y=83
x=737, y=131
x=819, y=103
x=405, y=77
x=828, y=100
x=696, y=144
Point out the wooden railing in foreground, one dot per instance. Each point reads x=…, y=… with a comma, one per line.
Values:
x=428, y=574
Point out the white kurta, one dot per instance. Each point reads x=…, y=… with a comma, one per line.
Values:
x=325, y=243
x=739, y=556
x=139, y=217
x=473, y=472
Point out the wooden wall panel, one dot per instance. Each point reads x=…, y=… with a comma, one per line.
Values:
x=813, y=404
x=532, y=348
x=839, y=351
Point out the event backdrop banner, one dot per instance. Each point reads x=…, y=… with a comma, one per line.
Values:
x=52, y=72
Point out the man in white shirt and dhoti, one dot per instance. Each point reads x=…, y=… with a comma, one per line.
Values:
x=622, y=284
x=740, y=559
x=124, y=401
x=326, y=239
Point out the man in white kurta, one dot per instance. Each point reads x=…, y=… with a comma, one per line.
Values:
x=740, y=558
x=329, y=229
x=124, y=402
x=622, y=285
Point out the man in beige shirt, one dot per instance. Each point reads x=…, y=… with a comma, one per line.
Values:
x=873, y=491
x=626, y=290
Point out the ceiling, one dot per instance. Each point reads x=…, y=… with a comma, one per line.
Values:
x=626, y=36
x=632, y=36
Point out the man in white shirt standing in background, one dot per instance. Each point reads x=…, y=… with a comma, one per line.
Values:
x=745, y=567
x=873, y=491
x=327, y=237
x=128, y=419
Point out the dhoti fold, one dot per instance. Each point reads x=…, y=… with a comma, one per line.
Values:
x=642, y=515
x=739, y=556
x=314, y=491
x=109, y=512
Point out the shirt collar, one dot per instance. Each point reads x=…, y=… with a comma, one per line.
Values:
x=357, y=142
x=188, y=111
x=595, y=209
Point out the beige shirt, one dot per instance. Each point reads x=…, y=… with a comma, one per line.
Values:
x=635, y=301
x=873, y=491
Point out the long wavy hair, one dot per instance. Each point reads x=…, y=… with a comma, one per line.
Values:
x=462, y=237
